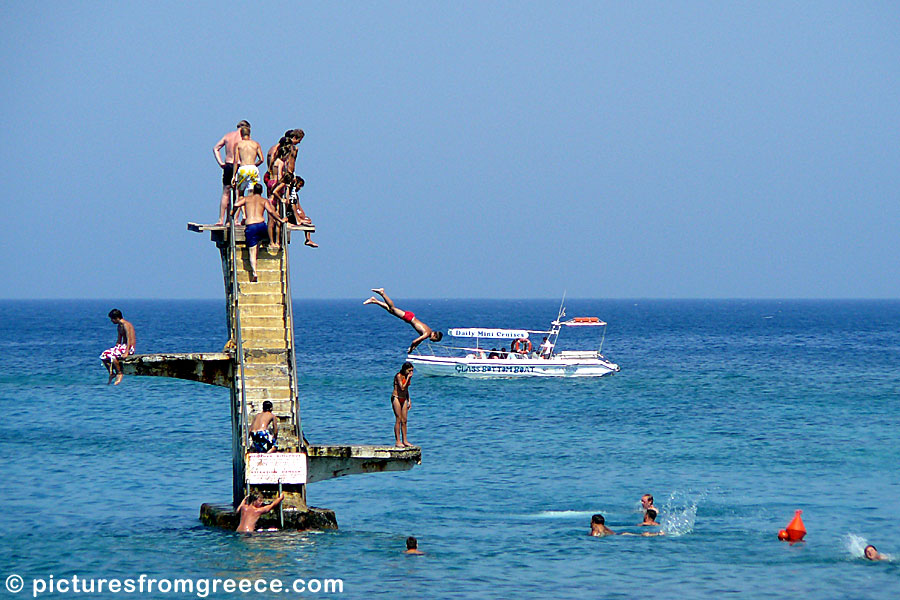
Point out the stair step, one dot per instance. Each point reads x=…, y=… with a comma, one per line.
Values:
x=268, y=394
x=252, y=298
x=264, y=371
x=267, y=344
x=281, y=408
x=265, y=276
x=267, y=384
x=264, y=356
x=261, y=310
x=266, y=321
x=260, y=287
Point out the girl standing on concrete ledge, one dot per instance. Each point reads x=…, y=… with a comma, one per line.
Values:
x=400, y=402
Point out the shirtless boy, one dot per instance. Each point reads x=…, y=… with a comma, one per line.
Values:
x=400, y=402
x=228, y=141
x=296, y=137
x=262, y=439
x=125, y=341
x=425, y=332
x=248, y=155
x=650, y=511
x=287, y=138
x=255, y=206
x=412, y=546
x=599, y=528
x=251, y=508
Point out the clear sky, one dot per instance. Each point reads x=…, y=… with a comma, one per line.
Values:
x=461, y=149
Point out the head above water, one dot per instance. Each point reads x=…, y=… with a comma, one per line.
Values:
x=646, y=500
x=650, y=515
x=115, y=314
x=871, y=553
x=411, y=543
x=598, y=520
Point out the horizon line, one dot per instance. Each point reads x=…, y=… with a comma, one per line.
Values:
x=498, y=299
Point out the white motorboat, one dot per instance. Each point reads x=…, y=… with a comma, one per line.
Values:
x=523, y=359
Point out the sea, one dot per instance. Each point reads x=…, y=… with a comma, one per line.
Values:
x=733, y=414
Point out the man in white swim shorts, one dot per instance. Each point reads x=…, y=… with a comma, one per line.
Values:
x=125, y=341
x=248, y=155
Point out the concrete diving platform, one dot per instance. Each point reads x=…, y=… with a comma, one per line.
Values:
x=224, y=516
x=324, y=462
x=214, y=368
x=258, y=365
x=328, y=462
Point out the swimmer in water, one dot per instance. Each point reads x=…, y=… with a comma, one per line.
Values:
x=650, y=511
x=251, y=509
x=412, y=546
x=599, y=528
x=871, y=553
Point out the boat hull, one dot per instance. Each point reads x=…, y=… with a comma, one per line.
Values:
x=505, y=368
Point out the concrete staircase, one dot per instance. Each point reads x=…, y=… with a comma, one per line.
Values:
x=264, y=331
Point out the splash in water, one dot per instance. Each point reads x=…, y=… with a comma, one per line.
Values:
x=679, y=512
x=563, y=514
x=856, y=545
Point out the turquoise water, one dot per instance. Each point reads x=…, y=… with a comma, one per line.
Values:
x=731, y=413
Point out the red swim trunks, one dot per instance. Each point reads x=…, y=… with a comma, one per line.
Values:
x=408, y=316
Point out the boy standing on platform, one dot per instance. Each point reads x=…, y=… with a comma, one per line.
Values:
x=255, y=206
x=228, y=141
x=248, y=155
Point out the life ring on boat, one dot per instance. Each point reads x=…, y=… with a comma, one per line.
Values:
x=519, y=344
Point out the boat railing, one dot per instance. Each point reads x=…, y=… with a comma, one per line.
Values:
x=468, y=352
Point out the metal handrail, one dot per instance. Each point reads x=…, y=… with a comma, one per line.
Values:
x=238, y=340
x=289, y=325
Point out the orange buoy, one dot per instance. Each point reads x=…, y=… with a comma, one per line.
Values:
x=795, y=529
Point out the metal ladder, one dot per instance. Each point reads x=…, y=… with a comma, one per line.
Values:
x=289, y=328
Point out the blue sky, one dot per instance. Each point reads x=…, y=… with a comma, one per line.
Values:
x=650, y=149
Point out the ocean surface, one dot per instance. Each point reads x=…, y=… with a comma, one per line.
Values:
x=733, y=414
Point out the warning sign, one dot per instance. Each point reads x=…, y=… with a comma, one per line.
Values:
x=288, y=467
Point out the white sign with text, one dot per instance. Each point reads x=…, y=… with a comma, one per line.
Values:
x=284, y=467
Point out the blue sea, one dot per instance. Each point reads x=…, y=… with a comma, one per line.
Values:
x=732, y=413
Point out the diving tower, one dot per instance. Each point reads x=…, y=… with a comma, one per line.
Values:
x=259, y=363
